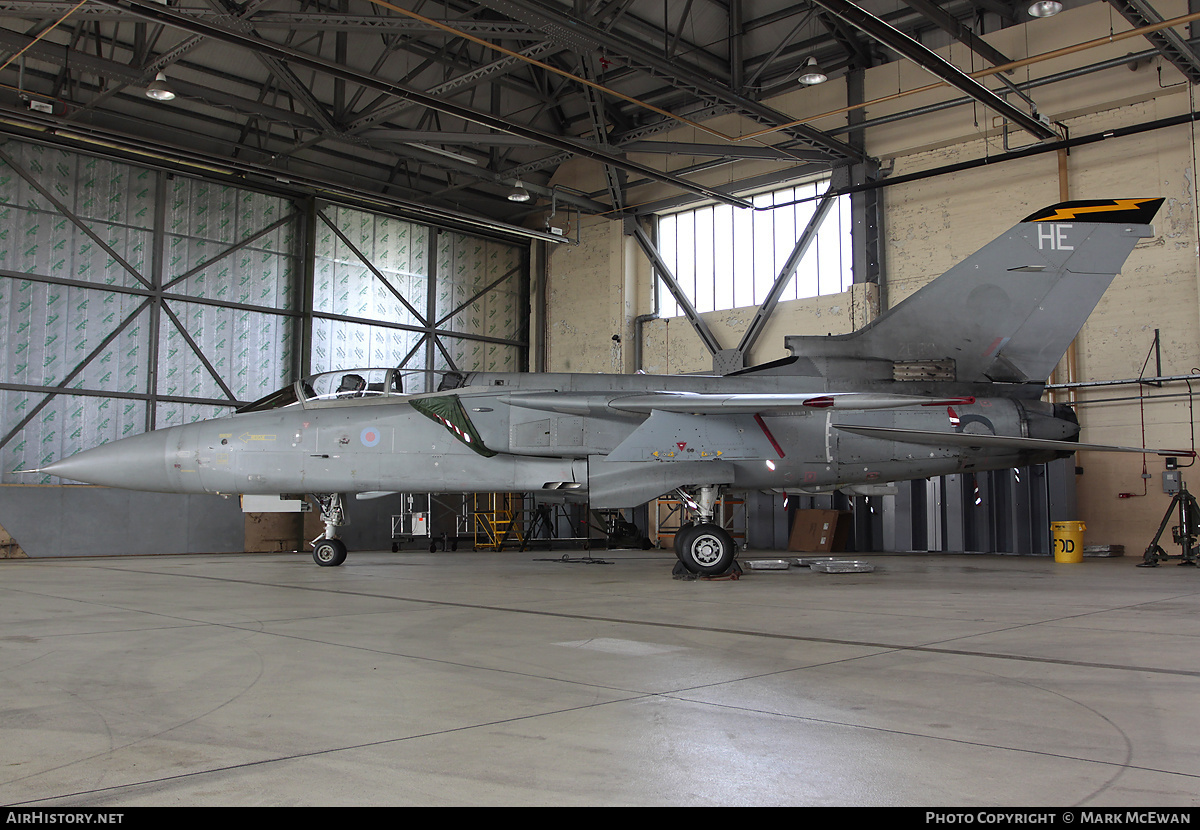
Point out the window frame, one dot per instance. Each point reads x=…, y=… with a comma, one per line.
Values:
x=761, y=240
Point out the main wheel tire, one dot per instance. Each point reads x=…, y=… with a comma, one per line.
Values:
x=684, y=529
x=706, y=549
x=329, y=553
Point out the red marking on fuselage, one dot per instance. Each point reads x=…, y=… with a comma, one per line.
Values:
x=763, y=426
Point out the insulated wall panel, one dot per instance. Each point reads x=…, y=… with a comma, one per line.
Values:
x=104, y=267
x=74, y=217
x=480, y=292
x=376, y=269
x=51, y=329
x=236, y=249
x=371, y=267
x=63, y=426
x=131, y=299
x=171, y=414
x=342, y=344
x=249, y=351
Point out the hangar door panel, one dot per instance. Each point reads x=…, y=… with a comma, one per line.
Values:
x=388, y=292
x=133, y=300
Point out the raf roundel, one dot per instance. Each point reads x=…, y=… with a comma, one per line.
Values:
x=370, y=436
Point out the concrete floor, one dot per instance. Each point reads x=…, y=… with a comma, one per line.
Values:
x=506, y=679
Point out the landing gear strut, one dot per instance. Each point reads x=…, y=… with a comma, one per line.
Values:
x=704, y=547
x=328, y=550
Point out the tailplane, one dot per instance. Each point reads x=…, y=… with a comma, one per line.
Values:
x=1007, y=313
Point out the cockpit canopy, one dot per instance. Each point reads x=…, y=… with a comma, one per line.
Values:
x=350, y=384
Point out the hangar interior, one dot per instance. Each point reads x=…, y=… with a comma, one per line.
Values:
x=203, y=200
x=330, y=184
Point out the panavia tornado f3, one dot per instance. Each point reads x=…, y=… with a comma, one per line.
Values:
x=949, y=380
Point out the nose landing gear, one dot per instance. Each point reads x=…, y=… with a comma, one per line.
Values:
x=328, y=550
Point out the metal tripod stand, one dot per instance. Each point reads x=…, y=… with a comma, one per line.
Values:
x=1184, y=534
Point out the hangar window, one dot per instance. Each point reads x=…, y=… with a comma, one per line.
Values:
x=725, y=257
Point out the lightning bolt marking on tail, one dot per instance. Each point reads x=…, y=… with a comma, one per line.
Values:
x=1074, y=212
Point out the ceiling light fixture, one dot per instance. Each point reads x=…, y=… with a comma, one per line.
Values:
x=159, y=89
x=518, y=193
x=812, y=73
x=1045, y=8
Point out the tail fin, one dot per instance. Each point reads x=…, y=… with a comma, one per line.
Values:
x=1005, y=314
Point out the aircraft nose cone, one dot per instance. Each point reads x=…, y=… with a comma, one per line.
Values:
x=137, y=463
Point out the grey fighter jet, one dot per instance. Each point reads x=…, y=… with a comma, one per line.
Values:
x=948, y=381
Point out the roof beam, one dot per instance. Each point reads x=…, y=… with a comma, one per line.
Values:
x=614, y=178
x=1170, y=45
x=736, y=151
x=277, y=19
x=951, y=25
x=932, y=62
x=156, y=12
x=858, y=54
x=280, y=70
x=579, y=34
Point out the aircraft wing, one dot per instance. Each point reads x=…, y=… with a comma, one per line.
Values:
x=726, y=403
x=967, y=439
x=677, y=429
x=772, y=403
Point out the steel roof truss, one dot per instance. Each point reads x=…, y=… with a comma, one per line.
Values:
x=1169, y=44
x=929, y=60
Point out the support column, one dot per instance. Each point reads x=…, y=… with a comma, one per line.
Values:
x=866, y=206
x=431, y=287
x=157, y=278
x=307, y=281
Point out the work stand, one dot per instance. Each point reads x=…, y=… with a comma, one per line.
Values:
x=1184, y=534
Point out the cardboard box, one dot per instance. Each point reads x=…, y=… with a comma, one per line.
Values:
x=819, y=531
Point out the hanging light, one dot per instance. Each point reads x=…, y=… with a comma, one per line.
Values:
x=159, y=89
x=518, y=193
x=1045, y=8
x=812, y=73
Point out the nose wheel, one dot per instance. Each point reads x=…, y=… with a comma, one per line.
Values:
x=328, y=550
x=329, y=553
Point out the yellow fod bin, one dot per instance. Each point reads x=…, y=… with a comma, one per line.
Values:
x=1068, y=541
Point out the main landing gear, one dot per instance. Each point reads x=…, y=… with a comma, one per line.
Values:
x=328, y=550
x=704, y=547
